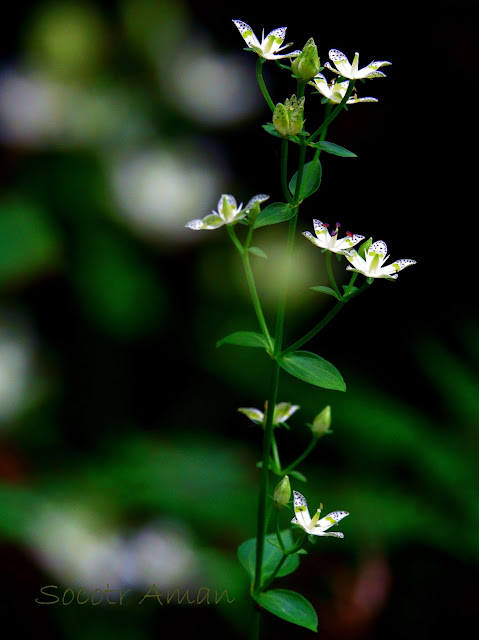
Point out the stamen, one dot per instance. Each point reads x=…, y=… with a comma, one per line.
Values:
x=325, y=224
x=348, y=233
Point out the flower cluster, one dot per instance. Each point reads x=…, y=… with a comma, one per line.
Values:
x=371, y=265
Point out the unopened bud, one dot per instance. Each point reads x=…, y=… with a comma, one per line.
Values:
x=282, y=493
x=288, y=117
x=306, y=65
x=321, y=423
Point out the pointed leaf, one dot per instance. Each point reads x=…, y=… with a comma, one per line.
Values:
x=298, y=475
x=312, y=368
x=274, y=213
x=245, y=339
x=290, y=606
x=272, y=555
x=310, y=181
x=257, y=252
x=334, y=149
x=327, y=290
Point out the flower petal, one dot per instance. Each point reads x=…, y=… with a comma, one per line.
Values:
x=247, y=33
x=301, y=510
x=253, y=414
x=340, y=62
x=278, y=34
x=379, y=247
x=261, y=197
x=331, y=519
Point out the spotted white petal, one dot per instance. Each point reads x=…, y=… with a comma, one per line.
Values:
x=248, y=35
x=379, y=247
x=261, y=197
x=211, y=221
x=330, y=520
x=341, y=63
x=302, y=517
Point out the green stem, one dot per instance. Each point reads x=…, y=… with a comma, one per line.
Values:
x=329, y=269
x=300, y=458
x=273, y=393
x=261, y=83
x=243, y=251
x=321, y=324
x=350, y=285
x=334, y=114
x=263, y=489
x=327, y=318
x=284, y=170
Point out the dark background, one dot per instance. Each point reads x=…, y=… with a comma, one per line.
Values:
x=122, y=456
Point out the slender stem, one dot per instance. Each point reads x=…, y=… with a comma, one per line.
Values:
x=275, y=572
x=327, y=318
x=329, y=269
x=300, y=458
x=321, y=324
x=284, y=170
x=263, y=489
x=278, y=533
x=273, y=393
x=350, y=285
x=262, y=86
x=334, y=114
x=250, y=280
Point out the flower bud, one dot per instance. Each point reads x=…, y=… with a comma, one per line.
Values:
x=288, y=117
x=306, y=65
x=282, y=493
x=321, y=423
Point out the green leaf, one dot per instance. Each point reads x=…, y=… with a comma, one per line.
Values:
x=312, y=368
x=310, y=181
x=245, y=339
x=327, y=290
x=274, y=213
x=272, y=555
x=298, y=475
x=257, y=252
x=334, y=149
x=290, y=606
x=352, y=289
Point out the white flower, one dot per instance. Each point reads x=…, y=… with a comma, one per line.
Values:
x=270, y=45
x=314, y=526
x=351, y=71
x=282, y=412
x=328, y=241
x=228, y=212
x=372, y=265
x=336, y=91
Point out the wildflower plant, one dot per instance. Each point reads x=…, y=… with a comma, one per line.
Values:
x=276, y=550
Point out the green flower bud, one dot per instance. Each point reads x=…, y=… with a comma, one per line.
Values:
x=288, y=117
x=282, y=493
x=306, y=65
x=321, y=423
